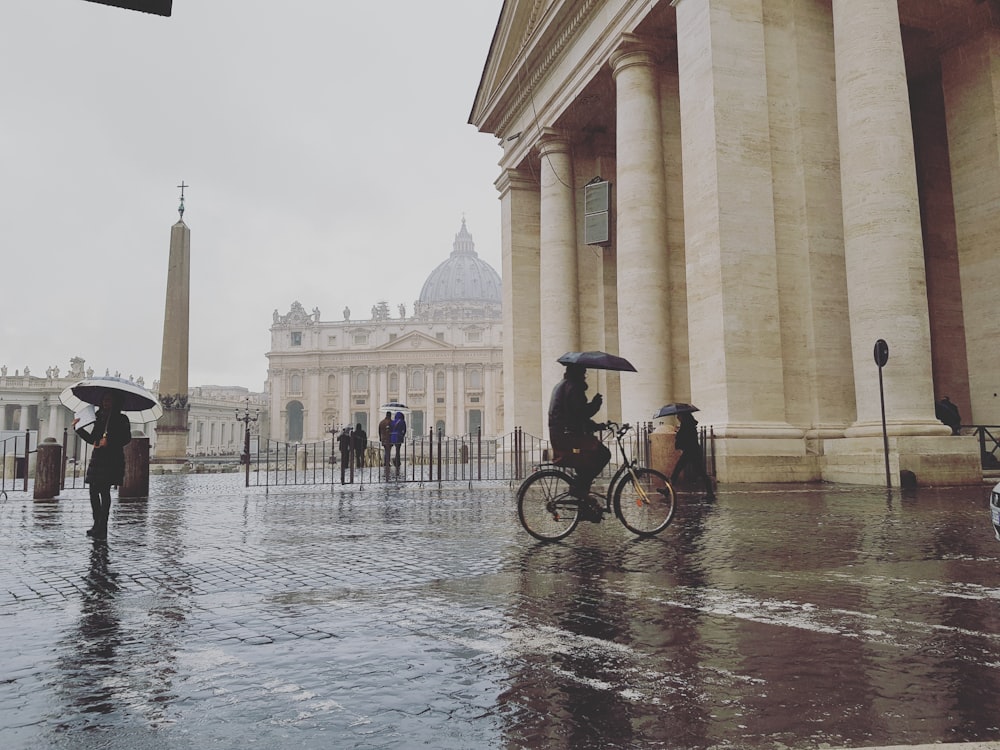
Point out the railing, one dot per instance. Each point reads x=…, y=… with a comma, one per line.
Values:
x=16, y=466
x=706, y=436
x=74, y=468
x=425, y=459
x=989, y=443
x=14, y=452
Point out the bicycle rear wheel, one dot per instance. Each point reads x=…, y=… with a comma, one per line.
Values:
x=644, y=501
x=545, y=506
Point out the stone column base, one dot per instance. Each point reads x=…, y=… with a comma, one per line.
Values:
x=762, y=460
x=933, y=460
x=946, y=459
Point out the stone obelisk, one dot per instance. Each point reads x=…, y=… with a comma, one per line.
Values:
x=172, y=427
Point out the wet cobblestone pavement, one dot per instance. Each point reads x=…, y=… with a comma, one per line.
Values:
x=403, y=616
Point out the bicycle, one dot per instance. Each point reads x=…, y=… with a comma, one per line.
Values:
x=642, y=498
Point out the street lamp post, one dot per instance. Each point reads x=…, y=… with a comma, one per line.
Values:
x=246, y=419
x=332, y=429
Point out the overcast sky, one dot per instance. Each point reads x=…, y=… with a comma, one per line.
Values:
x=325, y=143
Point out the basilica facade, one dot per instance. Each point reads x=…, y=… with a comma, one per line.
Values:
x=442, y=359
x=786, y=183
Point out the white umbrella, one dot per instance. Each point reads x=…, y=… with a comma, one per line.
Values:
x=138, y=404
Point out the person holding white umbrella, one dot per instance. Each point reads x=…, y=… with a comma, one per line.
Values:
x=109, y=434
x=109, y=430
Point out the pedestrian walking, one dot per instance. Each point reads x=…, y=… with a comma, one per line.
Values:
x=385, y=438
x=359, y=442
x=344, y=443
x=109, y=434
x=691, y=460
x=397, y=435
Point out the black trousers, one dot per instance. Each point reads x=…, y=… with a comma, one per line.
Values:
x=100, y=505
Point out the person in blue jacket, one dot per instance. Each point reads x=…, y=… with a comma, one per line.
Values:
x=397, y=434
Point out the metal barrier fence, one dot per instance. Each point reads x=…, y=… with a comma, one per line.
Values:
x=989, y=443
x=425, y=459
x=74, y=467
x=14, y=453
x=16, y=466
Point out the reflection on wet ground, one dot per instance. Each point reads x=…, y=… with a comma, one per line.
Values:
x=799, y=616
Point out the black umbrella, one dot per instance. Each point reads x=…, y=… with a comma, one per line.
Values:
x=136, y=401
x=596, y=361
x=679, y=408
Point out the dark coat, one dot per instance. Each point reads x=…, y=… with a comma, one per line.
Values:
x=686, y=438
x=107, y=463
x=344, y=442
x=569, y=410
x=360, y=438
x=385, y=431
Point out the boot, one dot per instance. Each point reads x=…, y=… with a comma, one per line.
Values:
x=95, y=509
x=101, y=525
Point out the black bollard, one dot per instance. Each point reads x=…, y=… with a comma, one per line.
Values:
x=48, y=469
x=136, y=481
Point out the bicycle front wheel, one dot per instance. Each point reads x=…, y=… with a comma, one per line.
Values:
x=644, y=501
x=545, y=506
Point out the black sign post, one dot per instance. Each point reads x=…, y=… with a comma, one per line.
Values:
x=881, y=357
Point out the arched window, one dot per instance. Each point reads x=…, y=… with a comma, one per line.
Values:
x=295, y=385
x=393, y=381
x=439, y=381
x=418, y=380
x=331, y=383
x=294, y=410
x=475, y=379
x=361, y=380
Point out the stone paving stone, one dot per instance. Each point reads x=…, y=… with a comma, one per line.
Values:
x=406, y=616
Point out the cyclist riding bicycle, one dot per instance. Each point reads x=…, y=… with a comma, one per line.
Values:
x=571, y=432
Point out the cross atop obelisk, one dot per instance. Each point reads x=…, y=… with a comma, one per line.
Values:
x=180, y=208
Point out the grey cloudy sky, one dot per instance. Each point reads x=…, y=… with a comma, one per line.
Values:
x=325, y=143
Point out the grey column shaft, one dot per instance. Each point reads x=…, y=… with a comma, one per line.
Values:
x=559, y=309
x=641, y=233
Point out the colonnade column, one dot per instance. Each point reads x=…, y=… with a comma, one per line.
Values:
x=520, y=242
x=559, y=305
x=314, y=428
x=490, y=408
x=734, y=325
x=430, y=397
x=449, y=400
x=970, y=76
x=883, y=246
x=56, y=424
x=346, y=412
x=383, y=386
x=374, y=413
x=461, y=426
x=641, y=232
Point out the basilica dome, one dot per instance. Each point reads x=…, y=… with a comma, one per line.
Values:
x=463, y=285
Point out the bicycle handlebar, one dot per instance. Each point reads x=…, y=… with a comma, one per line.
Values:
x=619, y=429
